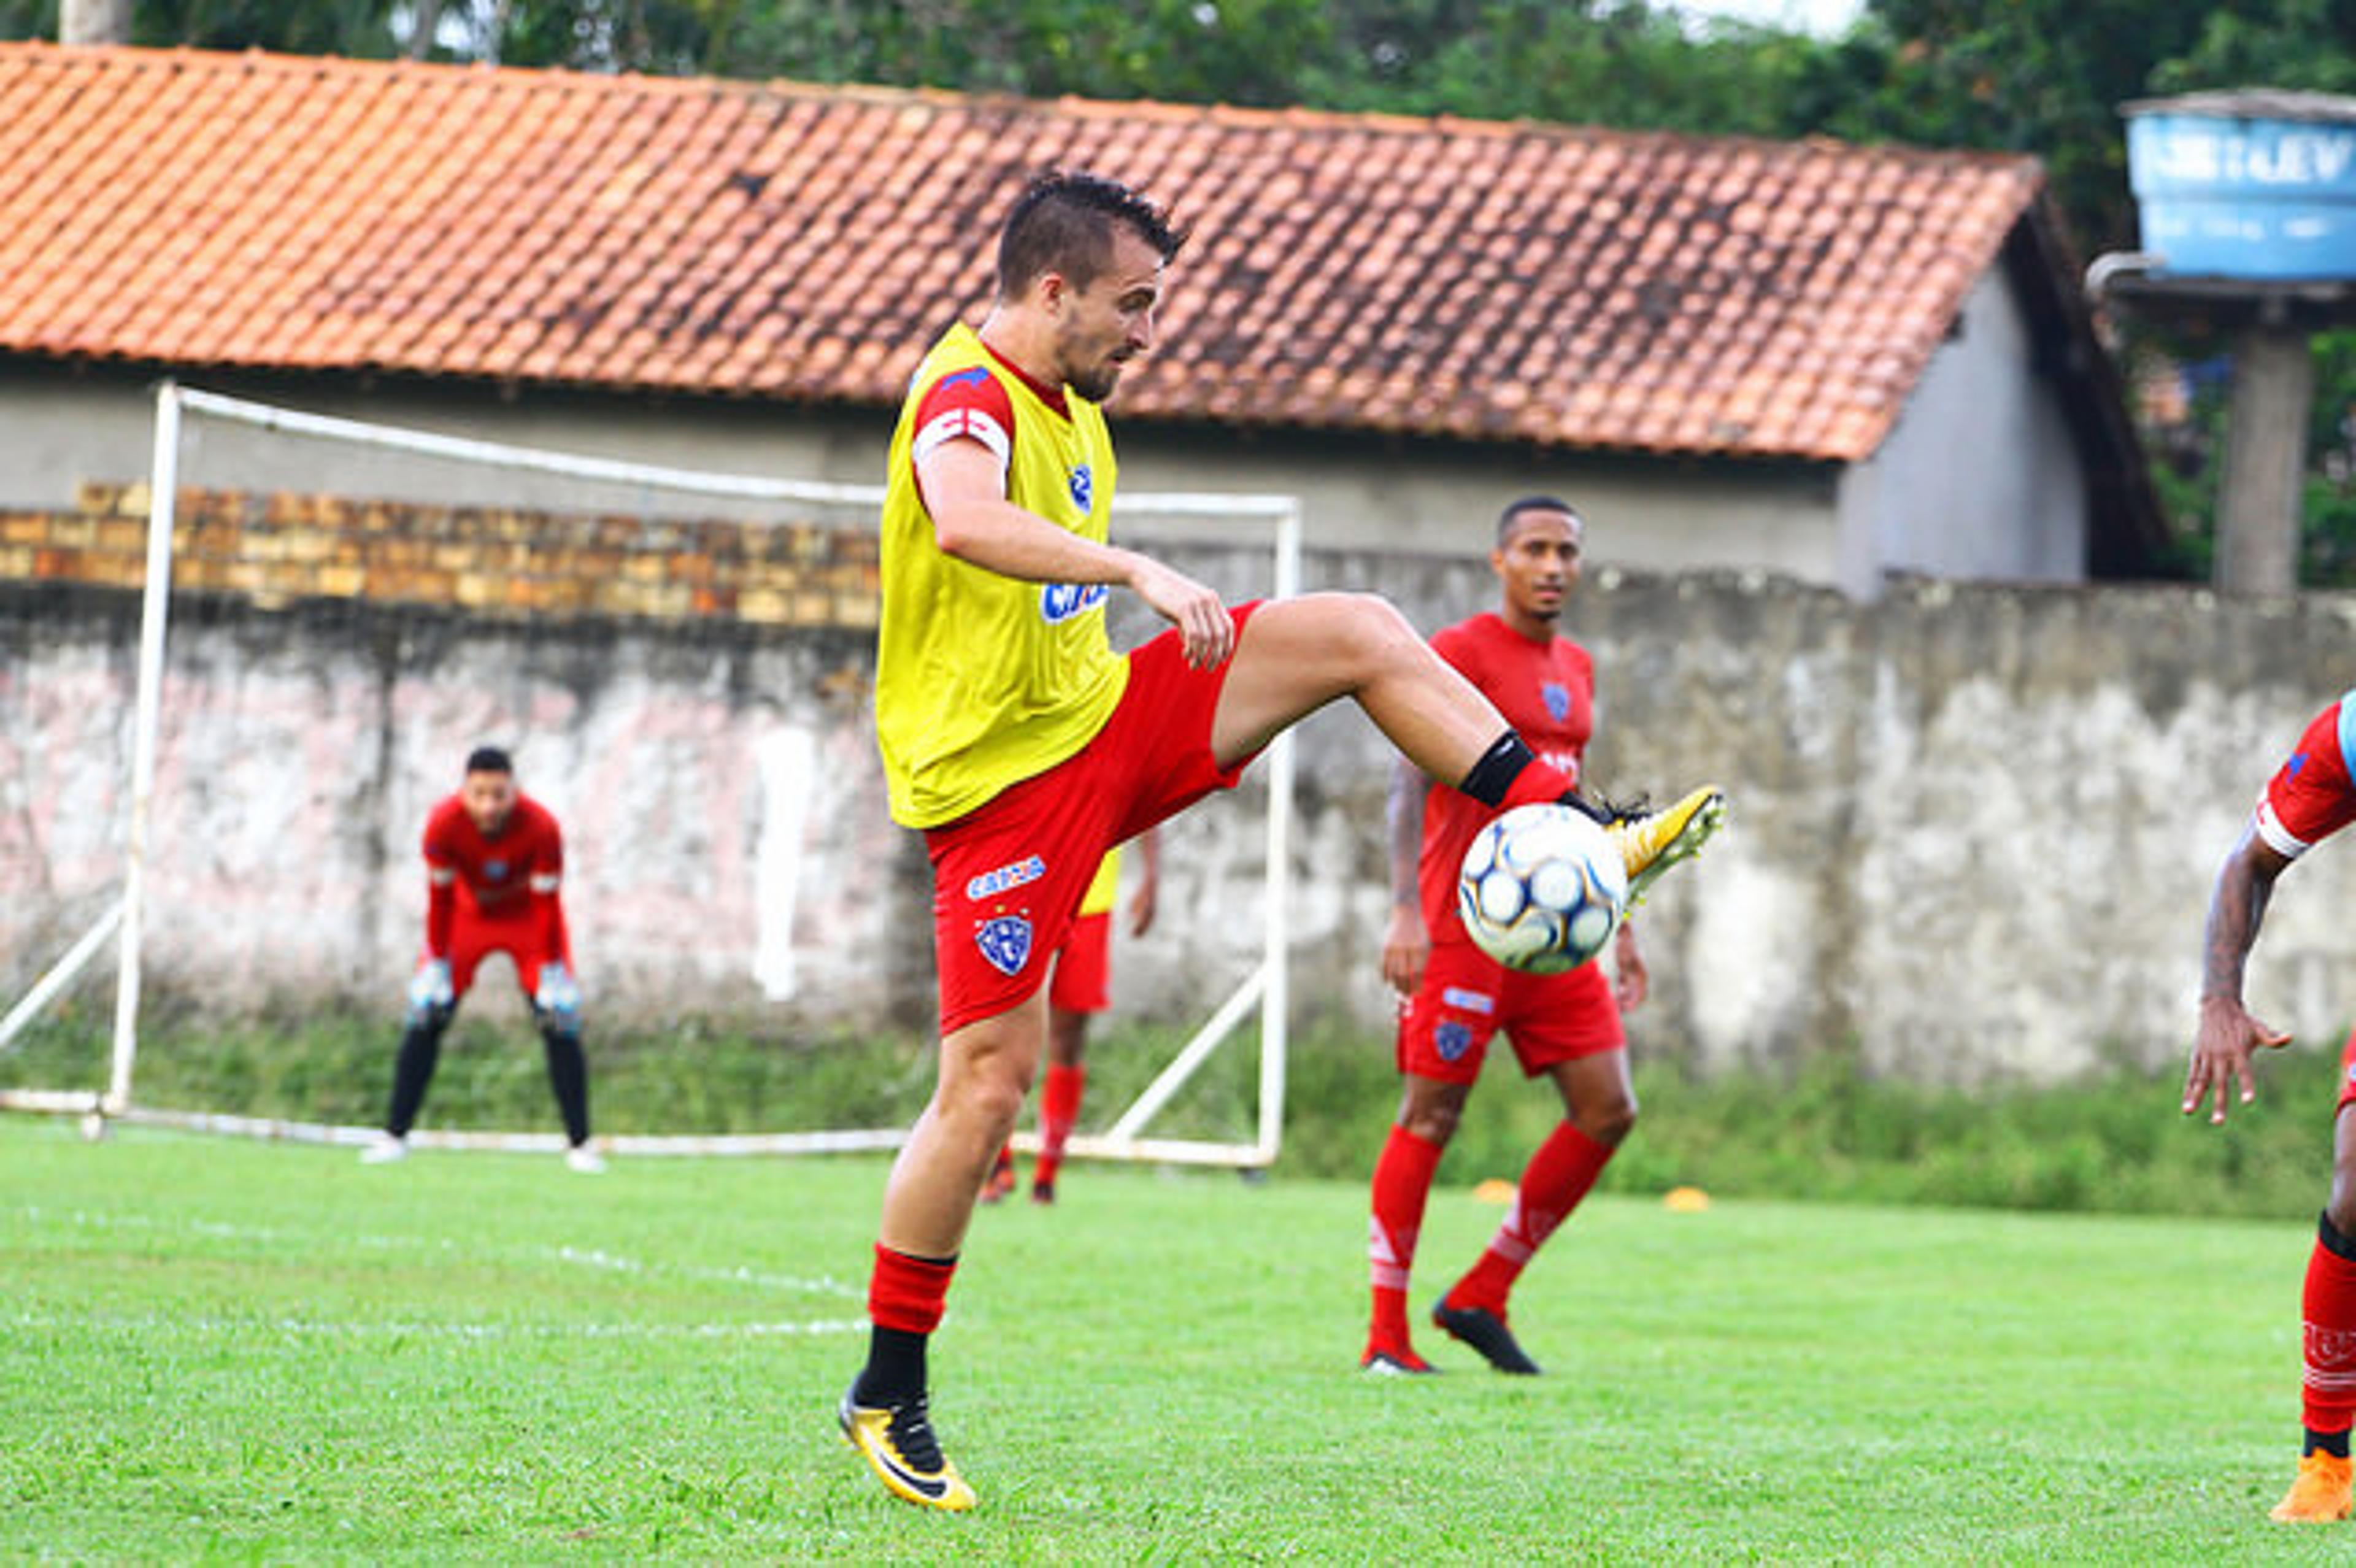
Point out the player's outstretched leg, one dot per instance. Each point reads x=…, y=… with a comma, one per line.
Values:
x=1650, y=842
x=896, y=1437
x=1486, y=1332
x=2321, y=1493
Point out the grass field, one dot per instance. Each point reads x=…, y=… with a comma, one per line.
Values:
x=211, y=1348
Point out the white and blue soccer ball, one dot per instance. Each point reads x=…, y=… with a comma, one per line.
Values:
x=1542, y=889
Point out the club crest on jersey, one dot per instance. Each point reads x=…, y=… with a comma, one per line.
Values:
x=1005, y=942
x=1084, y=486
x=494, y=870
x=1451, y=1039
x=1059, y=601
x=989, y=884
x=1558, y=699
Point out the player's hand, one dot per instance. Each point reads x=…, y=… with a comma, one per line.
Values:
x=1407, y=948
x=1631, y=982
x=2229, y=1036
x=1206, y=628
x=1142, y=904
x=431, y=985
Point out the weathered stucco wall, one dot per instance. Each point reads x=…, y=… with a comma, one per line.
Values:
x=1973, y=833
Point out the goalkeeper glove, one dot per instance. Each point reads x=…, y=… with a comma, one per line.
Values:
x=559, y=998
x=430, y=989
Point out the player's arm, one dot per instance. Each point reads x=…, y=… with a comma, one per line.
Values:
x=441, y=888
x=2229, y=1035
x=1407, y=946
x=965, y=490
x=431, y=989
x=1143, y=902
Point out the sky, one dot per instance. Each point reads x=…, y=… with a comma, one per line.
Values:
x=1823, y=17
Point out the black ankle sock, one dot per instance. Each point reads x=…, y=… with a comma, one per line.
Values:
x=894, y=1370
x=1499, y=766
x=2332, y=1443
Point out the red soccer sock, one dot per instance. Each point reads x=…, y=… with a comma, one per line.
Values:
x=1059, y=1111
x=2328, y=1338
x=1402, y=1183
x=907, y=1293
x=1557, y=1177
x=1539, y=784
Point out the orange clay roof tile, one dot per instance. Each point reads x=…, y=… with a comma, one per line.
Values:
x=1561, y=285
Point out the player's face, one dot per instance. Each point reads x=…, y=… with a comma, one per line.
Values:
x=489, y=798
x=1537, y=563
x=1101, y=328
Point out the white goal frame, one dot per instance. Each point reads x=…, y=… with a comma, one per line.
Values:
x=1265, y=988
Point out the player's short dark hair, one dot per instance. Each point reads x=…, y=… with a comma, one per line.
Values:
x=1063, y=222
x=1515, y=508
x=490, y=759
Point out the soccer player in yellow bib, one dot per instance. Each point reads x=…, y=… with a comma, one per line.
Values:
x=1024, y=747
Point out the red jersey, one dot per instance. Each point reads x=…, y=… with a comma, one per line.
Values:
x=1546, y=692
x=509, y=880
x=2313, y=794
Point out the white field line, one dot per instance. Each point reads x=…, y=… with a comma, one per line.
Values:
x=152, y=1324
x=67, y=1220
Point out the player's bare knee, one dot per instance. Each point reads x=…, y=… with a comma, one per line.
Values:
x=1431, y=1116
x=1379, y=636
x=1610, y=1123
x=2341, y=1209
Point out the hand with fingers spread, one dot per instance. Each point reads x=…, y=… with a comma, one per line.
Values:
x=2229, y=1036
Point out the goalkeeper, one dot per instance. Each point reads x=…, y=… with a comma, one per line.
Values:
x=494, y=858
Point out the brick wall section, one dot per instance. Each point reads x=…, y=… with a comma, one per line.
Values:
x=279, y=548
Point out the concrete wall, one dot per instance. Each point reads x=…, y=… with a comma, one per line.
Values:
x=1974, y=828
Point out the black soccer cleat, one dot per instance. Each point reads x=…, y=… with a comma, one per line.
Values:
x=1485, y=1332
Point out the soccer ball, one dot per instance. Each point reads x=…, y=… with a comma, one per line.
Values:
x=1542, y=889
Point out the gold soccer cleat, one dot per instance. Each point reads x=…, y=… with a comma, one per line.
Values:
x=1650, y=842
x=898, y=1442
x=2319, y=1495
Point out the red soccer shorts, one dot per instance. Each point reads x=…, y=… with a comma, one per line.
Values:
x=473, y=938
x=1467, y=996
x=1008, y=876
x=1083, y=982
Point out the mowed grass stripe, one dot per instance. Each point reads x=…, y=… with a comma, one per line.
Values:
x=212, y=1348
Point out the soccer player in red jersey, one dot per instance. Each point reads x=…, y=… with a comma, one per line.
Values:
x=1456, y=997
x=1081, y=988
x=1023, y=747
x=2311, y=796
x=494, y=860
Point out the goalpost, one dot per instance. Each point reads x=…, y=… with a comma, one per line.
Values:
x=1262, y=991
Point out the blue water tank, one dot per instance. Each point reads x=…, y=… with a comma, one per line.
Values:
x=2257, y=183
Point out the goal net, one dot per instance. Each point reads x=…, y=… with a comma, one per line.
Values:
x=680, y=659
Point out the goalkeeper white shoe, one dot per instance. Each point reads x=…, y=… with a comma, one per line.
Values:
x=384, y=1149
x=585, y=1160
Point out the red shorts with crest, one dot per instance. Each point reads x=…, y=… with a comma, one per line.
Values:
x=1008, y=877
x=1467, y=996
